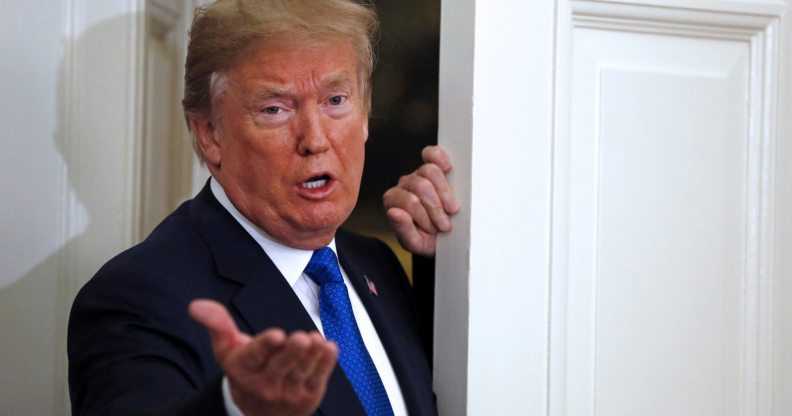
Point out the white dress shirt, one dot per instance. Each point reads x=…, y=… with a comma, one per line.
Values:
x=291, y=262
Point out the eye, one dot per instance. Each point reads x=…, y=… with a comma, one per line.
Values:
x=337, y=100
x=271, y=110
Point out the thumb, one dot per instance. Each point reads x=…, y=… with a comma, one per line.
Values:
x=222, y=330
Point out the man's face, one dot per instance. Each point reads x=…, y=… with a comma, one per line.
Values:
x=287, y=138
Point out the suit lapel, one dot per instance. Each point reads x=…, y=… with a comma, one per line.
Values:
x=390, y=331
x=270, y=302
x=265, y=299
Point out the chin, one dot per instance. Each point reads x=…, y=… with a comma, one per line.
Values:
x=324, y=221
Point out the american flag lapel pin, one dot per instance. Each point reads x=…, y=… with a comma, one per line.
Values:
x=371, y=286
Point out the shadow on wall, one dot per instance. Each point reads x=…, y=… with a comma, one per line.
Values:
x=34, y=306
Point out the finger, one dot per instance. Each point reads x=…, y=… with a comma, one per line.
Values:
x=311, y=358
x=245, y=366
x=438, y=156
x=223, y=331
x=406, y=199
x=257, y=353
x=287, y=361
x=435, y=175
x=326, y=362
x=409, y=235
x=427, y=195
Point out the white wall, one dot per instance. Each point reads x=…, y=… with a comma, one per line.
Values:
x=31, y=182
x=495, y=118
x=70, y=75
x=624, y=243
x=782, y=335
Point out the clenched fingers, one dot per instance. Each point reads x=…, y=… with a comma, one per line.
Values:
x=401, y=198
x=421, y=205
x=437, y=176
x=409, y=235
x=426, y=194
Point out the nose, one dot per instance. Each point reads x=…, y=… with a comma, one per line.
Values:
x=311, y=137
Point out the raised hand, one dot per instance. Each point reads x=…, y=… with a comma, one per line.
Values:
x=270, y=373
x=421, y=205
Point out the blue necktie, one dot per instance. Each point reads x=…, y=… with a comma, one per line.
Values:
x=338, y=323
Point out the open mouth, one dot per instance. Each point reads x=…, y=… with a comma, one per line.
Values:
x=316, y=182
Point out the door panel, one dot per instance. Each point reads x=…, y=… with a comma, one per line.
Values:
x=624, y=242
x=662, y=213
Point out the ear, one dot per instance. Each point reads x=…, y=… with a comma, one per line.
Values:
x=207, y=140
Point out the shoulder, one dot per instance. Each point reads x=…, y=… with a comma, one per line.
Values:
x=373, y=258
x=364, y=245
x=136, y=306
x=174, y=249
x=155, y=281
x=131, y=343
x=370, y=253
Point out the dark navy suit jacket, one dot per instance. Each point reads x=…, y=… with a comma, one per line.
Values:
x=133, y=350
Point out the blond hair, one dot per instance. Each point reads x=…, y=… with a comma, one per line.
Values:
x=223, y=31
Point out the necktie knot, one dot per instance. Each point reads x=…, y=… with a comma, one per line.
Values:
x=323, y=267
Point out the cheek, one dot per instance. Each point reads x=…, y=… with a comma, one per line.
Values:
x=261, y=174
x=356, y=163
x=263, y=154
x=355, y=154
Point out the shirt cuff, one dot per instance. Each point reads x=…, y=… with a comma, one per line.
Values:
x=231, y=408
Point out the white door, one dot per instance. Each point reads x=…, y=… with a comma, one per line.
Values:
x=626, y=244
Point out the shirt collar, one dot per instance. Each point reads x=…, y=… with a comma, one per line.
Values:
x=290, y=261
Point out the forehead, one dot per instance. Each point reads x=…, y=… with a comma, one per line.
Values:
x=297, y=62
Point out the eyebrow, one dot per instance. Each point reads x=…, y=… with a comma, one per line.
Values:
x=336, y=80
x=332, y=81
x=274, y=92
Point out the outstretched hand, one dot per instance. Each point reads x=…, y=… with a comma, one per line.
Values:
x=270, y=373
x=421, y=205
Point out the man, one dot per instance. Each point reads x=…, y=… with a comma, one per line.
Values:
x=277, y=98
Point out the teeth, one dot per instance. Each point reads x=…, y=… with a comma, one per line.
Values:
x=318, y=183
